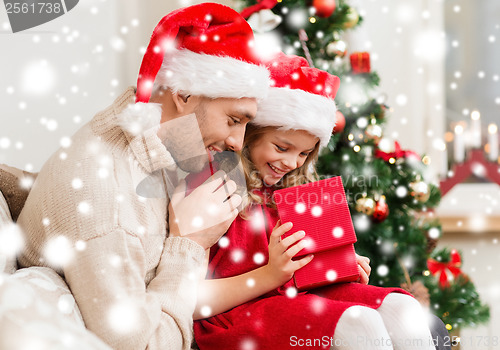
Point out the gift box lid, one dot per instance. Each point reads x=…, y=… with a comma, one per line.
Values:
x=319, y=209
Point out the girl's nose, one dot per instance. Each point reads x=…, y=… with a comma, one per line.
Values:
x=290, y=163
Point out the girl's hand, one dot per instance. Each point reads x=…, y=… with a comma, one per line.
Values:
x=363, y=268
x=281, y=251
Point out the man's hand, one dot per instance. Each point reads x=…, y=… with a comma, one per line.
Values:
x=205, y=214
x=363, y=268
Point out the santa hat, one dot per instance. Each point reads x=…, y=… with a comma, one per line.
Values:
x=206, y=50
x=300, y=98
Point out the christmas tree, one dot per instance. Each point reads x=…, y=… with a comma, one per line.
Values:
x=391, y=200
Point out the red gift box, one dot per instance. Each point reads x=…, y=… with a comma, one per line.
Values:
x=320, y=209
x=360, y=62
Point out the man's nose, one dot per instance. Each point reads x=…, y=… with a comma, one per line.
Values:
x=235, y=139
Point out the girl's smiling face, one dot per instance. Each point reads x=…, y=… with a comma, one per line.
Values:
x=277, y=152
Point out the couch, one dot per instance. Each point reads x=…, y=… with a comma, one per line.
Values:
x=37, y=309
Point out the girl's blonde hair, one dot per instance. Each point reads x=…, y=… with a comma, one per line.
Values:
x=302, y=175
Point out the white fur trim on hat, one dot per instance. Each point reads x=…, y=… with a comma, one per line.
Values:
x=294, y=109
x=211, y=76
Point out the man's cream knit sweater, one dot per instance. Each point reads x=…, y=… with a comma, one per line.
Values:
x=135, y=287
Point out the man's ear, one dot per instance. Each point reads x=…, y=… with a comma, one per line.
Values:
x=181, y=101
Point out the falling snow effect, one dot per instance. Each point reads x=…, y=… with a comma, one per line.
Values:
x=66, y=304
x=338, y=232
x=361, y=223
x=401, y=191
x=300, y=208
x=434, y=233
x=318, y=306
x=291, y=292
x=382, y=270
x=11, y=240
x=257, y=222
x=84, y=207
x=248, y=344
x=77, y=183
x=250, y=283
x=123, y=316
x=224, y=242
x=206, y=311
x=51, y=75
x=197, y=222
x=316, y=211
x=258, y=258
x=80, y=245
x=331, y=275
x=237, y=255
x=58, y=251
x=45, y=76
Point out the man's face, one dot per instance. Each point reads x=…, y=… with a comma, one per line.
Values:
x=223, y=121
x=219, y=126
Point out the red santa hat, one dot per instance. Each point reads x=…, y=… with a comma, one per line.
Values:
x=206, y=50
x=300, y=98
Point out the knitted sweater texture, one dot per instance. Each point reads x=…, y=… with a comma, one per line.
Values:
x=134, y=285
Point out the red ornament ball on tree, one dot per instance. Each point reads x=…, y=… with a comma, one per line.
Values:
x=339, y=123
x=324, y=8
x=381, y=211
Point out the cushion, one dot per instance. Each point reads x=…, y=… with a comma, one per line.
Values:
x=37, y=310
x=7, y=231
x=15, y=185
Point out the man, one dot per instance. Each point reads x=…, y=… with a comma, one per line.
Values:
x=132, y=263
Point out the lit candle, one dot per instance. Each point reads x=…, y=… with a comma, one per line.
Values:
x=444, y=159
x=475, y=117
x=459, y=146
x=493, y=142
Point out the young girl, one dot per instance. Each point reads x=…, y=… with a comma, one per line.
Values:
x=248, y=300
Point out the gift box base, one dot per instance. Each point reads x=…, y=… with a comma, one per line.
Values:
x=327, y=267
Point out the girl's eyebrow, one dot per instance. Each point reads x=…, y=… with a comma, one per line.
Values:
x=288, y=143
x=285, y=141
